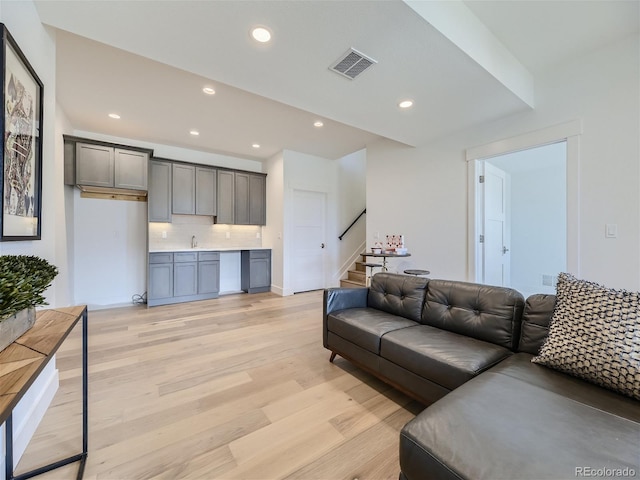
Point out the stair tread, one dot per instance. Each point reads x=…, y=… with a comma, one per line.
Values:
x=348, y=283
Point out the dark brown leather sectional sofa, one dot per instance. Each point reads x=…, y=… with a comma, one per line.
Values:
x=464, y=350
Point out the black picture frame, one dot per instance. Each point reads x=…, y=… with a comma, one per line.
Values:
x=21, y=157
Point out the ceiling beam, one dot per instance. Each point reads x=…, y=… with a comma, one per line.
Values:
x=456, y=22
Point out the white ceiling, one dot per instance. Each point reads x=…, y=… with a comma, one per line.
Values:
x=149, y=60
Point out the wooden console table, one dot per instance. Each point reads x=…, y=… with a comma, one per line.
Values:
x=22, y=362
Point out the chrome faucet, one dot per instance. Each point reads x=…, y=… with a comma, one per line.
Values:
x=194, y=242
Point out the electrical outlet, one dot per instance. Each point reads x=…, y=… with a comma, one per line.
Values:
x=164, y=234
x=547, y=280
x=227, y=234
x=257, y=234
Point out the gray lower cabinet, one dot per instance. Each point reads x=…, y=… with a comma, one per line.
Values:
x=209, y=273
x=160, y=285
x=256, y=271
x=176, y=277
x=185, y=274
x=159, y=199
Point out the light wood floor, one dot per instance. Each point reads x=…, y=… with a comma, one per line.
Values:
x=234, y=388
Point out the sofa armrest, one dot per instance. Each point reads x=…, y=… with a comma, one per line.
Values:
x=340, y=299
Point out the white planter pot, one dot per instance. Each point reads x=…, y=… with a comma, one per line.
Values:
x=14, y=326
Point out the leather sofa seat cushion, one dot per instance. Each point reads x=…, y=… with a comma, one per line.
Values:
x=443, y=357
x=521, y=420
x=365, y=326
x=401, y=295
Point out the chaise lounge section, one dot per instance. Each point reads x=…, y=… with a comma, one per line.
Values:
x=492, y=413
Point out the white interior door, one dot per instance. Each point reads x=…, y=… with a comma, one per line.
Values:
x=309, y=223
x=496, y=241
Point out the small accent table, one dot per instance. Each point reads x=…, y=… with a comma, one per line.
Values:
x=24, y=360
x=384, y=257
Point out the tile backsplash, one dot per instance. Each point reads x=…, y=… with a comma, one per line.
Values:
x=183, y=227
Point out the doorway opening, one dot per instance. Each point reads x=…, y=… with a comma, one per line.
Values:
x=541, y=230
x=525, y=219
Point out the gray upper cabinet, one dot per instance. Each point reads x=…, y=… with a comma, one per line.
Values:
x=206, y=188
x=184, y=189
x=104, y=166
x=257, y=200
x=130, y=169
x=94, y=165
x=241, y=196
x=226, y=183
x=250, y=199
x=159, y=200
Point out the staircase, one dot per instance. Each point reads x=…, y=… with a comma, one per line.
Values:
x=357, y=278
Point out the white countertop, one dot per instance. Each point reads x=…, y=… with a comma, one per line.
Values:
x=207, y=249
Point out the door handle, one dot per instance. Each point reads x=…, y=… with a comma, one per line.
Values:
x=504, y=250
x=322, y=245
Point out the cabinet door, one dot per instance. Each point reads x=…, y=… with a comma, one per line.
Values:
x=159, y=199
x=184, y=189
x=185, y=279
x=160, y=280
x=260, y=272
x=225, y=197
x=131, y=169
x=206, y=187
x=94, y=165
x=257, y=200
x=209, y=277
x=241, y=197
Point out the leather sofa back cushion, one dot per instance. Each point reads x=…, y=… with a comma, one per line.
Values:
x=401, y=295
x=492, y=314
x=538, y=310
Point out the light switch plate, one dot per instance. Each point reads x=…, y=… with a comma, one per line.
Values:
x=611, y=230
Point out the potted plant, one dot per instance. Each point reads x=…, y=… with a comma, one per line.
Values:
x=23, y=280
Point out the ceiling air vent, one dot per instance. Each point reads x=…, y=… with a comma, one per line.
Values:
x=352, y=64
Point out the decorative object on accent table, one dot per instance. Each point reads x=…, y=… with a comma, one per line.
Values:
x=21, y=162
x=395, y=243
x=23, y=280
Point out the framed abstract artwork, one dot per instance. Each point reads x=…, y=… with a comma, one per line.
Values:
x=21, y=162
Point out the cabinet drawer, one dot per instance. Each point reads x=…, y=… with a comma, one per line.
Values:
x=180, y=257
x=161, y=257
x=260, y=254
x=207, y=256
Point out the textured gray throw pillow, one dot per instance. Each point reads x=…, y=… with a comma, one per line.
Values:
x=595, y=335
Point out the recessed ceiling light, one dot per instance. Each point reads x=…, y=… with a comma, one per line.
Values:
x=318, y=124
x=406, y=104
x=195, y=133
x=261, y=34
x=114, y=115
x=256, y=145
x=208, y=90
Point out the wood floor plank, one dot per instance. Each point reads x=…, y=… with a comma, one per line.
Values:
x=238, y=387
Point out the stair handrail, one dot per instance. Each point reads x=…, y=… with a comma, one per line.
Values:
x=352, y=224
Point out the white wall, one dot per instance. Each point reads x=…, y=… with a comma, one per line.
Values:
x=422, y=192
x=38, y=45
